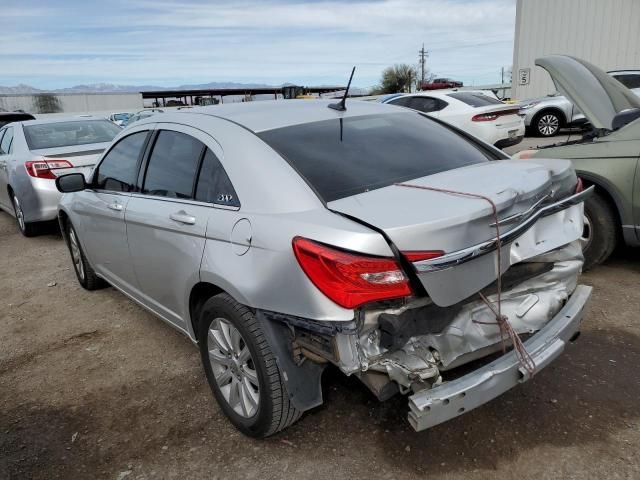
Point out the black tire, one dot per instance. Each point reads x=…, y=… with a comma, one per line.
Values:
x=603, y=234
x=85, y=273
x=547, y=123
x=28, y=229
x=274, y=411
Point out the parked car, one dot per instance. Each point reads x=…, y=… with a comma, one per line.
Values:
x=276, y=236
x=8, y=117
x=629, y=78
x=477, y=113
x=33, y=153
x=441, y=83
x=545, y=116
x=606, y=157
x=141, y=115
x=119, y=118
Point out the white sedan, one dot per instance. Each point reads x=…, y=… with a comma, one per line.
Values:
x=475, y=112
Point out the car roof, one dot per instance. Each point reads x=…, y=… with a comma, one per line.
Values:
x=259, y=116
x=43, y=121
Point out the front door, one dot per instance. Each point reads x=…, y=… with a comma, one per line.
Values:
x=101, y=209
x=6, y=138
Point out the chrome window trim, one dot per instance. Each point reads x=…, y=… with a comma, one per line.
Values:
x=186, y=201
x=461, y=256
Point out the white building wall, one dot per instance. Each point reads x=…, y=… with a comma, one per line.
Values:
x=603, y=32
x=73, y=103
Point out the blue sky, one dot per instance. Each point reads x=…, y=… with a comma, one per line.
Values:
x=60, y=43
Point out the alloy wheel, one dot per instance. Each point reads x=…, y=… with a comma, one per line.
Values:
x=548, y=124
x=233, y=367
x=76, y=256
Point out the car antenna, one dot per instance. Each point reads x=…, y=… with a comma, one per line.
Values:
x=341, y=105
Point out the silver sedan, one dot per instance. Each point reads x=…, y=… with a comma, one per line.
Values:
x=281, y=236
x=32, y=155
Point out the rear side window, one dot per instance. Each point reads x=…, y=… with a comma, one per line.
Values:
x=214, y=185
x=629, y=80
x=7, y=140
x=117, y=171
x=66, y=134
x=344, y=157
x=475, y=99
x=173, y=165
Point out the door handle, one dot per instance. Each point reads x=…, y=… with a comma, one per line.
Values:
x=115, y=206
x=183, y=217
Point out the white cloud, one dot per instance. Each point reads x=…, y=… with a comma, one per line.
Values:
x=158, y=42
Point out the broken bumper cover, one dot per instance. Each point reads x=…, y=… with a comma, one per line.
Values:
x=442, y=403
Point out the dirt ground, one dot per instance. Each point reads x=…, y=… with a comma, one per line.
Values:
x=92, y=386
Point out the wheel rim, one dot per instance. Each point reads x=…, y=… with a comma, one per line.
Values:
x=548, y=124
x=233, y=367
x=19, y=214
x=76, y=256
x=587, y=233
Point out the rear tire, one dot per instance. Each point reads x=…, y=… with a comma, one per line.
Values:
x=84, y=272
x=28, y=229
x=232, y=343
x=601, y=232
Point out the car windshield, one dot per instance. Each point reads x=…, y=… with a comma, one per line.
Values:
x=66, y=134
x=121, y=116
x=475, y=99
x=345, y=157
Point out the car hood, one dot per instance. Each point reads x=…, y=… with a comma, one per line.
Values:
x=598, y=95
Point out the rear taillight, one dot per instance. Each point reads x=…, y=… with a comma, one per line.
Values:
x=350, y=279
x=489, y=117
x=43, y=168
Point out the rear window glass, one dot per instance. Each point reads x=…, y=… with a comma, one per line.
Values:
x=67, y=134
x=629, y=80
x=475, y=99
x=345, y=157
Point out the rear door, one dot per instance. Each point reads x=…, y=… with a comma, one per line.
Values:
x=101, y=211
x=166, y=224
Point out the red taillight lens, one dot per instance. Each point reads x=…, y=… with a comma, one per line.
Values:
x=350, y=279
x=43, y=168
x=579, y=185
x=489, y=117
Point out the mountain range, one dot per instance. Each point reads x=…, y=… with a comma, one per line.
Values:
x=112, y=88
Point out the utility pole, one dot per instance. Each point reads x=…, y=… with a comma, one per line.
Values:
x=502, y=75
x=423, y=58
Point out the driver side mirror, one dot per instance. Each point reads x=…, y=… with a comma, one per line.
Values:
x=72, y=182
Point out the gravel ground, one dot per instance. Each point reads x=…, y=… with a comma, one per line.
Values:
x=92, y=386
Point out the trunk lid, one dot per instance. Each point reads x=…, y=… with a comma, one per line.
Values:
x=82, y=157
x=598, y=95
x=418, y=220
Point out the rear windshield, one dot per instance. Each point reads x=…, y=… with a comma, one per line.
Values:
x=345, y=157
x=66, y=134
x=475, y=99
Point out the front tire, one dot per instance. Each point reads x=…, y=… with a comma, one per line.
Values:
x=601, y=231
x=242, y=370
x=546, y=124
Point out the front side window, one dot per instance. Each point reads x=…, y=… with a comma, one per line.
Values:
x=7, y=140
x=426, y=104
x=173, y=165
x=214, y=185
x=401, y=101
x=67, y=134
x=118, y=169
x=344, y=157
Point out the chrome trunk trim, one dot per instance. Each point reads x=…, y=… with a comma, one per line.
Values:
x=461, y=256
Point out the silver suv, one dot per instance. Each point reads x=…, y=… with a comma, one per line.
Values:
x=284, y=235
x=545, y=116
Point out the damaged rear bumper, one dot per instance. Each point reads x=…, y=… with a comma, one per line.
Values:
x=442, y=403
